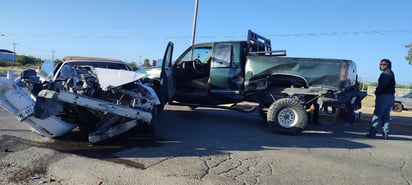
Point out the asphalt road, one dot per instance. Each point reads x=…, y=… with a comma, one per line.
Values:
x=207, y=146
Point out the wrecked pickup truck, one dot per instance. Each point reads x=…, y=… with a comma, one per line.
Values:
x=101, y=96
x=233, y=72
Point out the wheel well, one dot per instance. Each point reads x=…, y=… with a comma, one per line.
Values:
x=398, y=102
x=287, y=80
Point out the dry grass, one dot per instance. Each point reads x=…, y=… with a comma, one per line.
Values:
x=368, y=101
x=15, y=69
x=368, y=105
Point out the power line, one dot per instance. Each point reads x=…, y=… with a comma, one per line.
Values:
x=353, y=33
x=227, y=37
x=314, y=34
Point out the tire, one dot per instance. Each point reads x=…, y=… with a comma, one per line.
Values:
x=287, y=116
x=397, y=107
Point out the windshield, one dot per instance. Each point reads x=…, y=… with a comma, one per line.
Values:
x=46, y=69
x=67, y=67
x=107, y=65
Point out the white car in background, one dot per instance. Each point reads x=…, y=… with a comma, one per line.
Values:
x=403, y=102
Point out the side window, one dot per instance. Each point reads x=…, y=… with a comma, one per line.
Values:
x=222, y=56
x=201, y=53
x=167, y=58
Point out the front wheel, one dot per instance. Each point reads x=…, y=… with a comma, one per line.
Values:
x=287, y=116
x=397, y=107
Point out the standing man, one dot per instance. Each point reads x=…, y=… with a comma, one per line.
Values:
x=384, y=101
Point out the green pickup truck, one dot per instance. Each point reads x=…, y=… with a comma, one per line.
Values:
x=220, y=73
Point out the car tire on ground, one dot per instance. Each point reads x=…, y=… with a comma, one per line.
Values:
x=287, y=116
x=397, y=107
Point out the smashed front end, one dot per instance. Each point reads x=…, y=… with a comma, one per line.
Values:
x=102, y=102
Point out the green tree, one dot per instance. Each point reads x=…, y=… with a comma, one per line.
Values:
x=133, y=65
x=28, y=60
x=409, y=57
x=6, y=63
x=146, y=63
x=56, y=61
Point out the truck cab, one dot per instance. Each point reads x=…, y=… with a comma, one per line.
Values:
x=211, y=72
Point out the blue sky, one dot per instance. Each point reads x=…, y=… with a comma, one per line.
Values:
x=364, y=31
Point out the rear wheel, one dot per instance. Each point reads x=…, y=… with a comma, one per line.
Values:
x=397, y=107
x=287, y=116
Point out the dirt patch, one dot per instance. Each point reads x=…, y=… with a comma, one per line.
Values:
x=27, y=166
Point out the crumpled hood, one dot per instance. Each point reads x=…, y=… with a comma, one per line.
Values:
x=114, y=77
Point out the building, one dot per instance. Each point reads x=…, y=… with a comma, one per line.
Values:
x=7, y=55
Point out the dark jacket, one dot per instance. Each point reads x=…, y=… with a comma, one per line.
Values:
x=386, y=83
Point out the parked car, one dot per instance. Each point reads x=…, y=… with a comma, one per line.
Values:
x=403, y=102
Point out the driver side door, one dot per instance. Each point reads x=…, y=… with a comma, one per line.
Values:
x=167, y=81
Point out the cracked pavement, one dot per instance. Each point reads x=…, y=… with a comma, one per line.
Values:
x=208, y=146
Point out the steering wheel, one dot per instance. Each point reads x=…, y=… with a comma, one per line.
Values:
x=198, y=66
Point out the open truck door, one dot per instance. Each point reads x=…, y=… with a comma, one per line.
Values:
x=167, y=81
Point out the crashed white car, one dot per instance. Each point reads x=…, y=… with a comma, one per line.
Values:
x=103, y=96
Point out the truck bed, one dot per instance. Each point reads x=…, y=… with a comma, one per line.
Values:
x=337, y=74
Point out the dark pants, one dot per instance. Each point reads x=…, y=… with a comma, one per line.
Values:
x=381, y=114
x=351, y=114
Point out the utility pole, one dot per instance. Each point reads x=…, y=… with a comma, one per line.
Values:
x=140, y=59
x=14, y=50
x=194, y=22
x=14, y=46
x=53, y=55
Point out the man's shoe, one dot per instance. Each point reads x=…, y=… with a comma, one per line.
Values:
x=372, y=132
x=385, y=136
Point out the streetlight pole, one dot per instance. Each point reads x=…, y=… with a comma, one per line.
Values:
x=194, y=23
x=14, y=46
x=53, y=55
x=14, y=50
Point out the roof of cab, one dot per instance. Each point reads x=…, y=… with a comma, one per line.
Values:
x=69, y=58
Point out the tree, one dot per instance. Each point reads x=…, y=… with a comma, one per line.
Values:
x=146, y=63
x=409, y=57
x=133, y=65
x=28, y=60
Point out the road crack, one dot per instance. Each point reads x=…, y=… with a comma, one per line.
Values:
x=405, y=163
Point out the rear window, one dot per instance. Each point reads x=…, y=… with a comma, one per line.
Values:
x=107, y=65
x=68, y=66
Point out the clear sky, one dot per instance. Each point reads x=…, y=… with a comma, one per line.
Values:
x=364, y=31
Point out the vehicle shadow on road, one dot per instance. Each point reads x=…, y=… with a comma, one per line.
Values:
x=204, y=132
